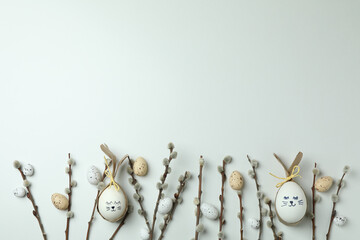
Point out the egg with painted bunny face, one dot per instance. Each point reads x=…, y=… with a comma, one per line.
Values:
x=290, y=203
x=112, y=203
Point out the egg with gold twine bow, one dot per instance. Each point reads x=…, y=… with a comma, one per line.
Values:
x=290, y=200
x=112, y=202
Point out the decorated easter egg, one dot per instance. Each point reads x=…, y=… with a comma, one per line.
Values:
x=236, y=180
x=254, y=223
x=209, y=211
x=59, y=201
x=144, y=234
x=290, y=203
x=112, y=203
x=165, y=205
x=19, y=192
x=94, y=175
x=28, y=170
x=140, y=166
x=323, y=184
x=340, y=220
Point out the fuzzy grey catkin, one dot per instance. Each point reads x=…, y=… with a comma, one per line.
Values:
x=69, y=214
x=196, y=201
x=17, y=164
x=67, y=190
x=267, y=200
x=228, y=159
x=200, y=228
x=315, y=171
x=259, y=195
x=26, y=183
x=220, y=169
x=73, y=183
x=100, y=186
x=254, y=163
x=201, y=162
x=171, y=145
x=251, y=173
x=137, y=186
x=269, y=224
x=173, y=155
x=165, y=161
x=67, y=170
x=346, y=169
x=335, y=198
x=71, y=161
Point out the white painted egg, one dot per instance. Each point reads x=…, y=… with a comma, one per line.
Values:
x=254, y=223
x=28, y=170
x=209, y=211
x=112, y=204
x=340, y=220
x=19, y=192
x=290, y=203
x=165, y=205
x=144, y=234
x=94, y=175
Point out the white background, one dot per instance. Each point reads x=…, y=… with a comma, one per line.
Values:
x=214, y=77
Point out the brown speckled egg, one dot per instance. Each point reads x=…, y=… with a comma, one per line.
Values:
x=236, y=180
x=323, y=184
x=60, y=201
x=140, y=166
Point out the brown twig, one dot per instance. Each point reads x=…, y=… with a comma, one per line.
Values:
x=241, y=216
x=199, y=197
x=139, y=200
x=95, y=204
x=259, y=200
x=333, y=211
x=36, y=209
x=176, y=203
x=273, y=228
x=69, y=197
x=221, y=196
x=120, y=225
x=159, y=195
x=313, y=206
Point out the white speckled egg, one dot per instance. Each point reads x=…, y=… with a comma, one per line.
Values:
x=236, y=180
x=209, y=211
x=94, y=175
x=140, y=166
x=60, y=201
x=290, y=203
x=144, y=234
x=340, y=220
x=19, y=192
x=165, y=205
x=254, y=223
x=323, y=184
x=28, y=170
x=112, y=204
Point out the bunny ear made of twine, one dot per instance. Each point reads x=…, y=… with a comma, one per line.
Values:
x=287, y=173
x=112, y=156
x=296, y=162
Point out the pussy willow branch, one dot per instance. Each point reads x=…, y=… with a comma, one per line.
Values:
x=159, y=196
x=199, y=197
x=120, y=225
x=221, y=198
x=176, y=203
x=94, y=208
x=132, y=174
x=36, y=209
x=241, y=216
x=69, y=206
x=272, y=222
x=259, y=200
x=313, y=206
x=333, y=211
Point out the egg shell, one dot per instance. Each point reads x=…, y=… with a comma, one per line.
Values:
x=236, y=180
x=340, y=220
x=323, y=184
x=60, y=201
x=112, y=204
x=140, y=166
x=144, y=234
x=19, y=192
x=254, y=223
x=28, y=170
x=165, y=205
x=290, y=203
x=94, y=175
x=209, y=211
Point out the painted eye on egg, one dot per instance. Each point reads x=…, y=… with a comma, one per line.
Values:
x=108, y=203
x=286, y=197
x=296, y=198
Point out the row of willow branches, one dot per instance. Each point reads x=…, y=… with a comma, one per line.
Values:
x=177, y=199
